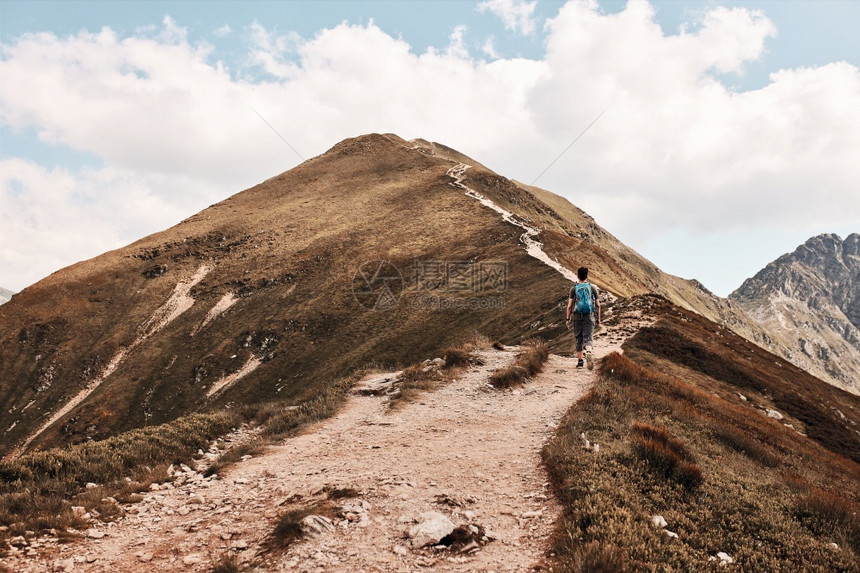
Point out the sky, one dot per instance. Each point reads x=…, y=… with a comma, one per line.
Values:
x=728, y=131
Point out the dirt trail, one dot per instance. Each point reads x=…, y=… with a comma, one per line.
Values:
x=466, y=441
x=477, y=447
x=533, y=247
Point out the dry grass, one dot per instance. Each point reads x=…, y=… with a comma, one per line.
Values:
x=228, y=563
x=825, y=512
x=420, y=378
x=737, y=365
x=252, y=448
x=37, y=491
x=596, y=557
x=342, y=493
x=508, y=376
x=289, y=420
x=743, y=441
x=288, y=528
x=415, y=383
x=649, y=424
x=666, y=454
x=457, y=356
x=528, y=362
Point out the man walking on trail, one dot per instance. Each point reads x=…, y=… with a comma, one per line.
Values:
x=581, y=307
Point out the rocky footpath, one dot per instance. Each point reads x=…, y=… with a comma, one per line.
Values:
x=451, y=482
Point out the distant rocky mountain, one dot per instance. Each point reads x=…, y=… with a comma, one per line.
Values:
x=5, y=295
x=810, y=301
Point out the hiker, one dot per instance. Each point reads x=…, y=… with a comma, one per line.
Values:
x=582, y=305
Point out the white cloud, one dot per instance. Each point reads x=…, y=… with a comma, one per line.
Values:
x=223, y=31
x=517, y=15
x=272, y=52
x=704, y=157
x=676, y=152
x=457, y=43
x=52, y=218
x=489, y=48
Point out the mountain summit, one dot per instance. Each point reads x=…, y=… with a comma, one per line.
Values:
x=810, y=301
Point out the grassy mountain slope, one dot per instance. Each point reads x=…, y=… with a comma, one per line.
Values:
x=252, y=299
x=288, y=250
x=739, y=451
x=742, y=452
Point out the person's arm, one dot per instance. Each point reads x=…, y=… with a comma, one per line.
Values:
x=568, y=311
x=597, y=300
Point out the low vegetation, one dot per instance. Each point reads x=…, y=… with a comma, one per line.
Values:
x=288, y=526
x=681, y=444
x=824, y=413
x=665, y=454
x=228, y=563
x=528, y=362
x=38, y=491
x=423, y=377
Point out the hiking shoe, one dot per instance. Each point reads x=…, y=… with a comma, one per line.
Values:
x=579, y=364
x=589, y=359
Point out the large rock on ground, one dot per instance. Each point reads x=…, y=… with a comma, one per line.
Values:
x=431, y=528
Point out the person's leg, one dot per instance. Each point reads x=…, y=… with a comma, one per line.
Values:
x=578, y=324
x=587, y=341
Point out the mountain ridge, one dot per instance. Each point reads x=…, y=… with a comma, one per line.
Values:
x=254, y=298
x=287, y=251
x=810, y=300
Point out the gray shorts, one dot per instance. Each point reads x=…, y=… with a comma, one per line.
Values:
x=583, y=329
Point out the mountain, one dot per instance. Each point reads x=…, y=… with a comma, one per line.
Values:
x=5, y=295
x=345, y=312
x=809, y=301
x=379, y=251
x=272, y=294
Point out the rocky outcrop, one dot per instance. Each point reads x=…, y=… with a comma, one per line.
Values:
x=810, y=301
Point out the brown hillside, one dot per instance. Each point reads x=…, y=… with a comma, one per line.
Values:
x=252, y=299
x=713, y=453
x=288, y=250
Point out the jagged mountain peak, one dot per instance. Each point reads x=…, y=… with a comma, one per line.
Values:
x=810, y=299
x=825, y=250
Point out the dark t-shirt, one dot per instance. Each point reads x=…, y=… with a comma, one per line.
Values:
x=573, y=294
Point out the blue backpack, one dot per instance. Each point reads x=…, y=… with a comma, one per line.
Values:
x=584, y=298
